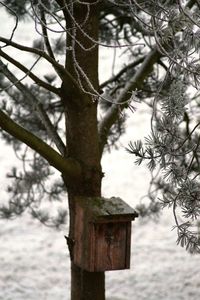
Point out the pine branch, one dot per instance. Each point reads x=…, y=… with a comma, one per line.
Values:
x=136, y=81
x=38, y=106
x=67, y=166
x=36, y=79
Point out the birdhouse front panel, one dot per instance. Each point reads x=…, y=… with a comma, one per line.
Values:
x=102, y=234
x=111, y=246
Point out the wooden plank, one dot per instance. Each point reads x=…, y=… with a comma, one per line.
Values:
x=128, y=245
x=110, y=246
x=92, y=240
x=78, y=235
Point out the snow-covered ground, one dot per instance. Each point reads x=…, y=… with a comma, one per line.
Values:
x=34, y=260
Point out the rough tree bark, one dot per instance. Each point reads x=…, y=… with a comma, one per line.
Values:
x=82, y=139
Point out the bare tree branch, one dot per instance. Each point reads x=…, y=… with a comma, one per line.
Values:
x=67, y=166
x=29, y=73
x=121, y=72
x=16, y=18
x=38, y=106
x=45, y=35
x=61, y=71
x=135, y=82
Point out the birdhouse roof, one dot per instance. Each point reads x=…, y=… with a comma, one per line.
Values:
x=99, y=209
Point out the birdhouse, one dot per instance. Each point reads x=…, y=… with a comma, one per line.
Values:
x=103, y=234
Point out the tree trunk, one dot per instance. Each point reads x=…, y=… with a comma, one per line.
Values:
x=87, y=285
x=82, y=138
x=84, y=285
x=84, y=145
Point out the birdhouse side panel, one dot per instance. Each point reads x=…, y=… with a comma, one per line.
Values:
x=84, y=240
x=78, y=235
x=128, y=245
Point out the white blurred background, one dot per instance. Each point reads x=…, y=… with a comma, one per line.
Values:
x=34, y=260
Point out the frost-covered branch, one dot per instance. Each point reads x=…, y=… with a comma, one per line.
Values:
x=113, y=113
x=177, y=158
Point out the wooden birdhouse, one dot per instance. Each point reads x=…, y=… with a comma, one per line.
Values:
x=103, y=234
